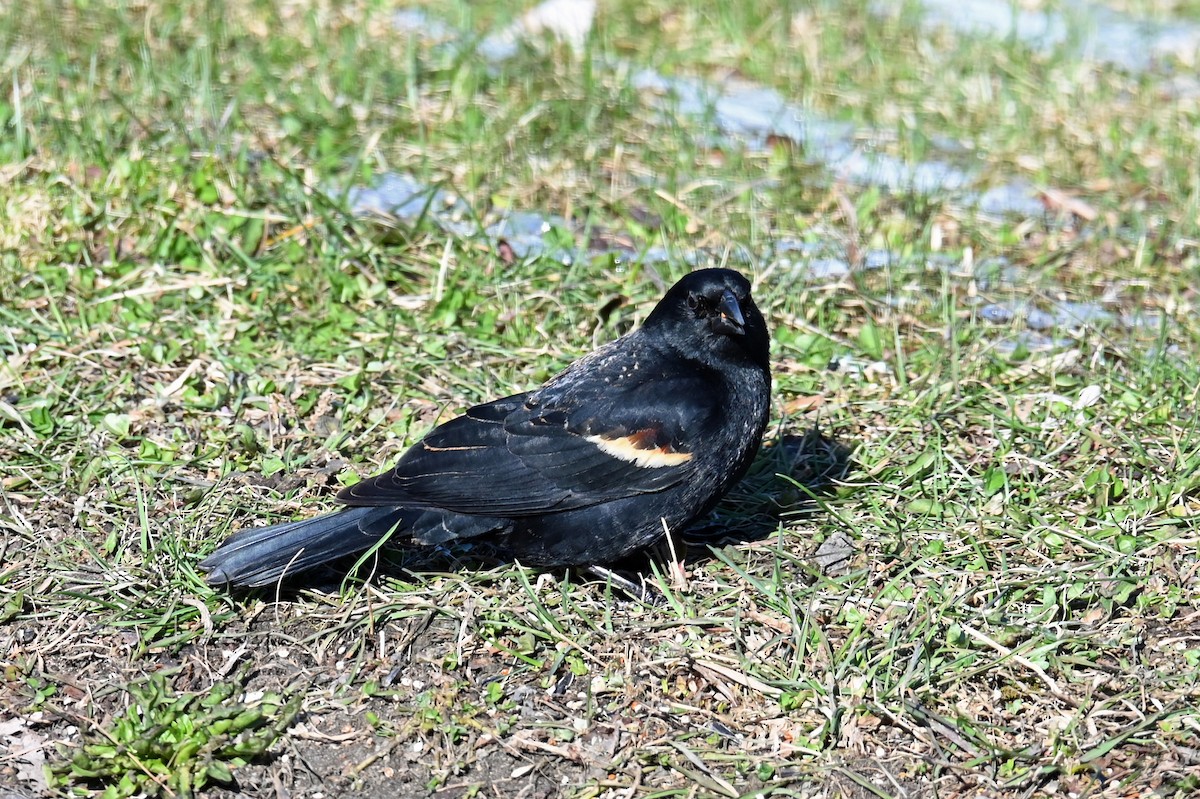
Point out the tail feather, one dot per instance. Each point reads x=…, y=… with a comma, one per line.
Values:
x=263, y=555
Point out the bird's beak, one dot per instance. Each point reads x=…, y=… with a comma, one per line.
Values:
x=729, y=319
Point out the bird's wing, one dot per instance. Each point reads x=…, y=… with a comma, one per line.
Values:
x=551, y=451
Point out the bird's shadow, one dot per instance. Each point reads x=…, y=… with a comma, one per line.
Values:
x=787, y=478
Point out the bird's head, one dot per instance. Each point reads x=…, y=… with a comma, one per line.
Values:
x=710, y=315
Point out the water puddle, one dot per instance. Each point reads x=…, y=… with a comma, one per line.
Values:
x=743, y=114
x=1028, y=341
x=416, y=22
x=1088, y=30
x=566, y=21
x=405, y=198
x=1028, y=319
x=521, y=234
x=758, y=117
x=1024, y=314
x=525, y=235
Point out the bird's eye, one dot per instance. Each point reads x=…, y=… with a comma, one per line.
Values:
x=695, y=303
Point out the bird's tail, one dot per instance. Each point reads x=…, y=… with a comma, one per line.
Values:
x=263, y=555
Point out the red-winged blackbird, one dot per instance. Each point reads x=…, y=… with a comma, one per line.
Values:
x=642, y=436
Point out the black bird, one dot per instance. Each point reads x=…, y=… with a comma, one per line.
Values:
x=640, y=437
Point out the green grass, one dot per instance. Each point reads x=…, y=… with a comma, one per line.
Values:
x=197, y=336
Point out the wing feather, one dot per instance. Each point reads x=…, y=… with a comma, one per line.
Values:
x=530, y=454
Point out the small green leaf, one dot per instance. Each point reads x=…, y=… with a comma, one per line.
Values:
x=870, y=340
x=117, y=423
x=925, y=507
x=219, y=772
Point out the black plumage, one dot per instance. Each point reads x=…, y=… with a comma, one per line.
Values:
x=643, y=435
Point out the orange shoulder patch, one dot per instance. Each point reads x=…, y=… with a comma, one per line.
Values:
x=642, y=448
